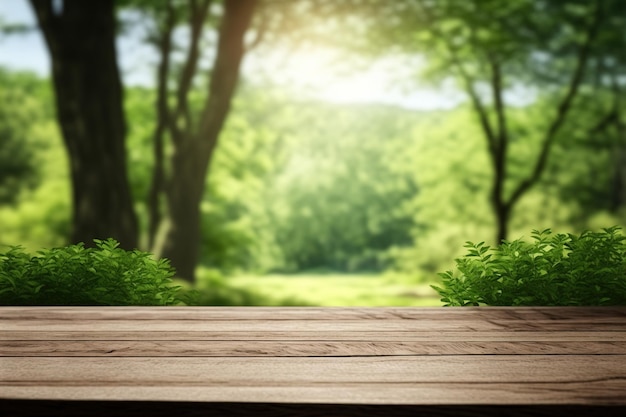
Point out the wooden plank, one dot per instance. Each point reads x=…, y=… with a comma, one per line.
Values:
x=238, y=348
x=596, y=393
x=373, y=336
x=248, y=326
x=294, y=320
x=586, y=314
x=287, y=371
x=303, y=356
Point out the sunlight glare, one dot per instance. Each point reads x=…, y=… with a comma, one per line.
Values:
x=320, y=72
x=326, y=74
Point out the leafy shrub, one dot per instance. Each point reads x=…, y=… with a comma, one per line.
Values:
x=552, y=270
x=75, y=275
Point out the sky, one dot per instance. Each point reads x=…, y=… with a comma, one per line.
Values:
x=305, y=72
x=22, y=51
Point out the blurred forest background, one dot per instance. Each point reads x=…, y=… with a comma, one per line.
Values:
x=310, y=151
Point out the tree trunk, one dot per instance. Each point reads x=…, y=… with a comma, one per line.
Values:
x=157, y=184
x=193, y=151
x=184, y=195
x=502, y=214
x=501, y=209
x=81, y=39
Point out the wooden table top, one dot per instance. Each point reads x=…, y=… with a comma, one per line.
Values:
x=313, y=361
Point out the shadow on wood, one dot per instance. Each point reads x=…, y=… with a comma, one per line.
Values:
x=28, y=408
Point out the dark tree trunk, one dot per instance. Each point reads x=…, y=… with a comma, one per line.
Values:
x=193, y=148
x=157, y=185
x=184, y=195
x=503, y=214
x=81, y=39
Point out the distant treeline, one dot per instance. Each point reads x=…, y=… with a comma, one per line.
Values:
x=298, y=185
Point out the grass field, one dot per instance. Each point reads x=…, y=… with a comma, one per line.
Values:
x=326, y=289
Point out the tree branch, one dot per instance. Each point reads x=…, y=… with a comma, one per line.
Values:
x=197, y=18
x=230, y=51
x=498, y=99
x=157, y=184
x=478, y=106
x=45, y=16
x=165, y=47
x=563, y=108
x=260, y=33
x=499, y=155
x=467, y=80
x=610, y=118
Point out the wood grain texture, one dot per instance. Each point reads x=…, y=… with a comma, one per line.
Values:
x=315, y=313
x=308, y=336
x=311, y=348
x=252, y=371
x=359, y=360
x=563, y=314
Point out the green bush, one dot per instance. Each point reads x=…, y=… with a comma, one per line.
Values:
x=75, y=275
x=552, y=270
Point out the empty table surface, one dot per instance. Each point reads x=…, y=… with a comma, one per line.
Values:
x=312, y=361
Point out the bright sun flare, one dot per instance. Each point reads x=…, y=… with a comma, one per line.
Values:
x=326, y=74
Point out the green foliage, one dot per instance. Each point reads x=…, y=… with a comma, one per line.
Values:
x=298, y=184
x=552, y=270
x=341, y=198
x=75, y=275
x=313, y=288
x=20, y=113
x=213, y=289
x=284, y=193
x=34, y=187
x=374, y=188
